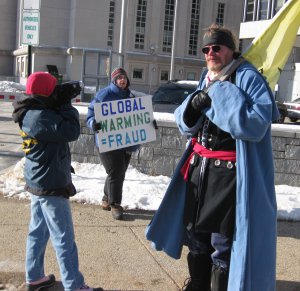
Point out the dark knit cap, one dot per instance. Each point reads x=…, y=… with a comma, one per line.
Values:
x=40, y=83
x=117, y=73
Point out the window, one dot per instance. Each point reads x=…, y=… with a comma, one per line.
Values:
x=140, y=24
x=168, y=26
x=22, y=65
x=277, y=5
x=220, y=14
x=249, y=11
x=110, y=31
x=263, y=10
x=137, y=74
x=191, y=76
x=194, y=29
x=164, y=75
x=255, y=10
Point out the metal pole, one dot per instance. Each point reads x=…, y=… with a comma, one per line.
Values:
x=122, y=27
x=29, y=61
x=173, y=42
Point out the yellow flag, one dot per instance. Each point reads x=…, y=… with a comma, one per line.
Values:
x=270, y=50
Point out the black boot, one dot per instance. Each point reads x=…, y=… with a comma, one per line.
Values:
x=219, y=278
x=200, y=272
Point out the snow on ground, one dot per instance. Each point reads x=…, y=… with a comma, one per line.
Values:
x=140, y=191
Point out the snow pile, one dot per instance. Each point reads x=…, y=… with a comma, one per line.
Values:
x=140, y=191
x=11, y=87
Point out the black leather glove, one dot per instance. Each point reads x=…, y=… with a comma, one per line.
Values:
x=201, y=101
x=96, y=126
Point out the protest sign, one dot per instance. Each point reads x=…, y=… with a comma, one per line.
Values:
x=124, y=123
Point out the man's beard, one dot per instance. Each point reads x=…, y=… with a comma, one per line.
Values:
x=215, y=67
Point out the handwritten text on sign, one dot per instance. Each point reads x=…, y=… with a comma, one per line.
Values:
x=124, y=123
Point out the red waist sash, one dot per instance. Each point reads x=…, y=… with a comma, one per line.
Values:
x=204, y=152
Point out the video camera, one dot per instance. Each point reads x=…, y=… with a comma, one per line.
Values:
x=65, y=92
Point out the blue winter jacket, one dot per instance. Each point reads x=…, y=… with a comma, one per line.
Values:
x=46, y=134
x=109, y=93
x=245, y=109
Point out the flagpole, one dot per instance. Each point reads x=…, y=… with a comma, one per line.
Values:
x=173, y=42
x=122, y=27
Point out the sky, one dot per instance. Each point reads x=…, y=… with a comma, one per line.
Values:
x=140, y=191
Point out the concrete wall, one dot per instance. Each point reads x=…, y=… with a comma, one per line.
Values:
x=286, y=151
x=8, y=15
x=161, y=157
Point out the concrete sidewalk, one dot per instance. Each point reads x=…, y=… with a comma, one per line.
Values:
x=115, y=254
x=112, y=254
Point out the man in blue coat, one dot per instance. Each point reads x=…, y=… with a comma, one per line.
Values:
x=223, y=189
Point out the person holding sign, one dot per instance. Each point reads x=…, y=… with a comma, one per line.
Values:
x=222, y=194
x=116, y=161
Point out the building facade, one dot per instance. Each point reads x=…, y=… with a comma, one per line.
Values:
x=257, y=14
x=8, y=28
x=85, y=39
x=155, y=40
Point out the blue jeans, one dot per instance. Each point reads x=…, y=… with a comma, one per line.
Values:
x=51, y=217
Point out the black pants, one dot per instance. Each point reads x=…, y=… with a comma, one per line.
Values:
x=115, y=164
x=210, y=209
x=211, y=197
x=216, y=245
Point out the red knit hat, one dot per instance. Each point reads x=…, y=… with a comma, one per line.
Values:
x=118, y=72
x=40, y=83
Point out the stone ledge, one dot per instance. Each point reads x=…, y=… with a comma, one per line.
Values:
x=161, y=156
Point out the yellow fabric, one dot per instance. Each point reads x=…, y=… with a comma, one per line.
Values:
x=270, y=50
x=28, y=142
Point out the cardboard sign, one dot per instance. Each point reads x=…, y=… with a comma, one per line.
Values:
x=124, y=123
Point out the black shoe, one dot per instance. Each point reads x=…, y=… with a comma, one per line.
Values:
x=105, y=205
x=187, y=285
x=200, y=272
x=117, y=211
x=41, y=286
x=219, y=278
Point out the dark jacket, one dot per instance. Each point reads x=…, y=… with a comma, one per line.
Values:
x=46, y=133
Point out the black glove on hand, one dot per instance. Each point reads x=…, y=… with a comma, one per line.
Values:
x=201, y=101
x=96, y=126
x=155, y=124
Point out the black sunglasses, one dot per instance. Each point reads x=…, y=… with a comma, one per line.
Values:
x=215, y=49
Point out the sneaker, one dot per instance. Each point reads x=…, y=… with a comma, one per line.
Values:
x=45, y=284
x=117, y=211
x=87, y=288
x=105, y=205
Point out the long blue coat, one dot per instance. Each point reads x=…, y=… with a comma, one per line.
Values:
x=245, y=110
